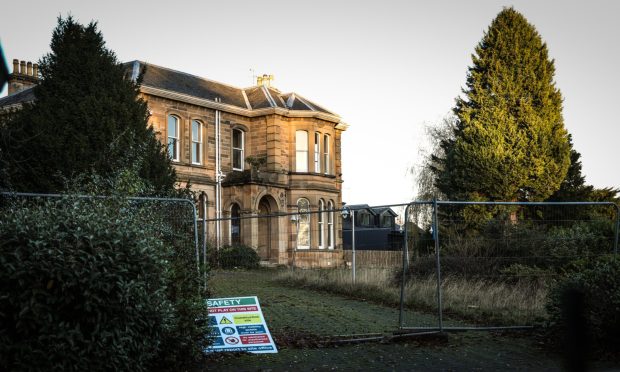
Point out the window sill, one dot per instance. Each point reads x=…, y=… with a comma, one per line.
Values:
x=311, y=174
x=315, y=249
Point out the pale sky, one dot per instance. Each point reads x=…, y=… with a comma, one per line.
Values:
x=386, y=67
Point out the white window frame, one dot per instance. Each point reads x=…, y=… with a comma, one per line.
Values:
x=321, y=223
x=303, y=223
x=301, y=153
x=326, y=162
x=330, y=225
x=241, y=150
x=197, y=143
x=317, y=152
x=176, y=140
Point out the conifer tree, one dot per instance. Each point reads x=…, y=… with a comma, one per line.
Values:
x=86, y=118
x=573, y=187
x=509, y=142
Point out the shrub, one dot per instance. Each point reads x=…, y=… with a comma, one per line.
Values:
x=598, y=282
x=238, y=256
x=92, y=284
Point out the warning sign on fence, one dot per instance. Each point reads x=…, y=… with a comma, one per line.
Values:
x=237, y=324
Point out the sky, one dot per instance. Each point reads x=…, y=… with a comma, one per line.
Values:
x=388, y=68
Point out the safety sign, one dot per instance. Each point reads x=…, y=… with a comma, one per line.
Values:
x=237, y=324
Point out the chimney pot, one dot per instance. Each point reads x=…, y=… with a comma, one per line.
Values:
x=16, y=66
x=35, y=70
x=29, y=66
x=22, y=67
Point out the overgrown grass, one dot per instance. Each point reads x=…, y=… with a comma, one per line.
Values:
x=479, y=301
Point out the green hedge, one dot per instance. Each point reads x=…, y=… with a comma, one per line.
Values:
x=93, y=284
x=597, y=282
x=238, y=256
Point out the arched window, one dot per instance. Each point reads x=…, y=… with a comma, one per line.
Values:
x=235, y=224
x=196, y=142
x=326, y=165
x=301, y=151
x=173, y=137
x=303, y=224
x=317, y=152
x=330, y=225
x=321, y=224
x=238, y=156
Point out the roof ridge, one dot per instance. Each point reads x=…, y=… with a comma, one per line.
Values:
x=247, y=100
x=305, y=102
x=272, y=102
x=187, y=74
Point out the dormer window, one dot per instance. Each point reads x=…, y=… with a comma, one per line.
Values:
x=387, y=220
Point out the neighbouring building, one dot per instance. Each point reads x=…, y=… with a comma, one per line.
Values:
x=375, y=229
x=248, y=152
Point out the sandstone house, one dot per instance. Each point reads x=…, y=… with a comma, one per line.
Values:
x=248, y=152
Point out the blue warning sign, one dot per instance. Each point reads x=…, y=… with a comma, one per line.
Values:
x=250, y=329
x=228, y=331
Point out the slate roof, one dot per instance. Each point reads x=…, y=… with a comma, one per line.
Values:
x=373, y=210
x=384, y=209
x=163, y=78
x=259, y=97
x=26, y=95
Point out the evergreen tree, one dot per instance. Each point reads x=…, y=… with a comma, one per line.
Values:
x=573, y=187
x=86, y=118
x=509, y=142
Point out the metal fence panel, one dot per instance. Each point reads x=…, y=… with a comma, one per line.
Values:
x=494, y=262
x=175, y=218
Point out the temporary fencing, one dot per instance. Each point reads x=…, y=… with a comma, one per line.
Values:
x=173, y=218
x=351, y=238
x=490, y=264
x=471, y=265
x=462, y=265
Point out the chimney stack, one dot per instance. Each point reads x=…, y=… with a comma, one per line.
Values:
x=264, y=80
x=25, y=75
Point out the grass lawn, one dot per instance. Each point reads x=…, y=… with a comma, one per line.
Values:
x=296, y=315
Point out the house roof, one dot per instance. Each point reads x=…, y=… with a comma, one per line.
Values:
x=373, y=210
x=19, y=98
x=166, y=82
x=258, y=97
x=382, y=210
